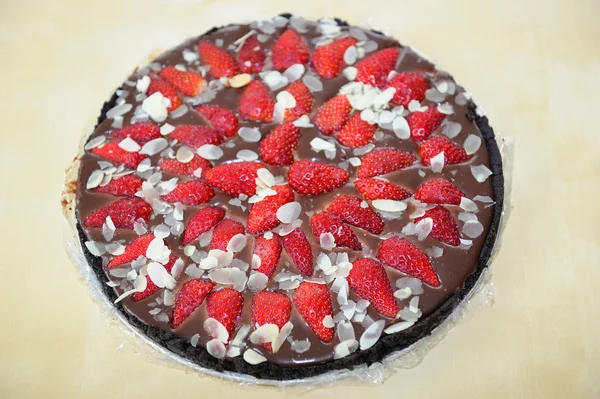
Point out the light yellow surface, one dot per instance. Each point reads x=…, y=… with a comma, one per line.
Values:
x=535, y=65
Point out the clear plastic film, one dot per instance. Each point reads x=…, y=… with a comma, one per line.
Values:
x=479, y=297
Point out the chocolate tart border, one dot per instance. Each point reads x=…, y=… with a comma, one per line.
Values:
x=386, y=345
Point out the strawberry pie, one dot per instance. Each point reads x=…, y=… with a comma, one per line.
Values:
x=288, y=197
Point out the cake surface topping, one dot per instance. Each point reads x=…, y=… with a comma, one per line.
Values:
x=286, y=192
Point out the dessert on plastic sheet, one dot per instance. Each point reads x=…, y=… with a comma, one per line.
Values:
x=287, y=198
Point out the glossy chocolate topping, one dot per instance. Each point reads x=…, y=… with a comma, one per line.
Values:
x=453, y=267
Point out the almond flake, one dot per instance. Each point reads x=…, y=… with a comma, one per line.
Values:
x=142, y=84
x=210, y=152
x=350, y=73
x=294, y=72
x=95, y=248
x=264, y=334
x=434, y=252
x=472, y=144
x=389, y=205
x=156, y=106
x=166, y=129
x=437, y=162
x=472, y=228
x=400, y=326
x=286, y=98
x=129, y=145
x=313, y=83
x=318, y=144
x=468, y=205
x=266, y=177
x=423, y=228
x=253, y=357
x=216, y=348
x=155, y=146
x=257, y=282
x=240, y=80
x=344, y=348
x=403, y=293
x=282, y=336
x=95, y=179
x=327, y=241
x=303, y=121
x=480, y=173
x=95, y=142
x=371, y=334
x=445, y=109
x=237, y=243
x=434, y=95
x=328, y=322
x=483, y=198
x=247, y=155
x=184, y=155
x=451, y=129
x=215, y=329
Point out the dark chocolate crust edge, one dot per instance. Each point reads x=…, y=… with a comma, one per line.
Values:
x=387, y=343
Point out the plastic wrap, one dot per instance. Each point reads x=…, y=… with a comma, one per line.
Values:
x=479, y=297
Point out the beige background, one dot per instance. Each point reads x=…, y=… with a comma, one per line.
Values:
x=534, y=64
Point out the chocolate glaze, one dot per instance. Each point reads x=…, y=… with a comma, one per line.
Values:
x=458, y=268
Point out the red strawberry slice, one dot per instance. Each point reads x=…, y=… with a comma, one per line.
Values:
x=326, y=222
x=356, y=132
x=191, y=192
x=374, y=69
x=188, y=83
x=453, y=153
x=234, y=178
x=252, y=56
x=350, y=210
x=185, y=169
x=133, y=251
x=140, y=132
x=315, y=178
x=190, y=297
x=124, y=186
x=271, y=308
x=368, y=279
x=112, y=152
x=439, y=191
x=225, y=306
x=444, y=227
x=269, y=252
x=222, y=120
x=298, y=248
x=262, y=216
x=256, y=103
x=422, y=124
x=373, y=189
x=303, y=98
x=409, y=86
x=328, y=60
x=313, y=302
x=278, y=147
x=333, y=115
x=151, y=288
x=196, y=136
x=289, y=49
x=220, y=63
x=158, y=84
x=400, y=254
x=224, y=232
x=123, y=213
x=385, y=160
x=204, y=220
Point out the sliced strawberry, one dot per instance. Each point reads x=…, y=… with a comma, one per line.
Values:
x=140, y=132
x=195, y=136
x=158, y=84
x=374, y=69
x=326, y=222
x=400, y=254
x=298, y=248
x=256, y=103
x=271, y=308
x=220, y=63
x=453, y=153
x=204, y=220
x=328, y=60
x=222, y=120
x=439, y=191
x=313, y=302
x=124, y=186
x=368, y=279
x=151, y=288
x=234, y=178
x=409, y=86
x=315, y=178
x=191, y=192
x=269, y=252
x=278, y=147
x=356, y=132
x=444, y=227
x=225, y=306
x=303, y=98
x=133, y=251
x=422, y=124
x=123, y=213
x=373, y=189
x=333, y=115
x=112, y=152
x=189, y=298
x=289, y=49
x=252, y=56
x=262, y=216
x=351, y=211
x=385, y=160
x=185, y=169
x=188, y=83
x=224, y=232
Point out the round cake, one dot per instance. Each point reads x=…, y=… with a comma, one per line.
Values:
x=288, y=197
